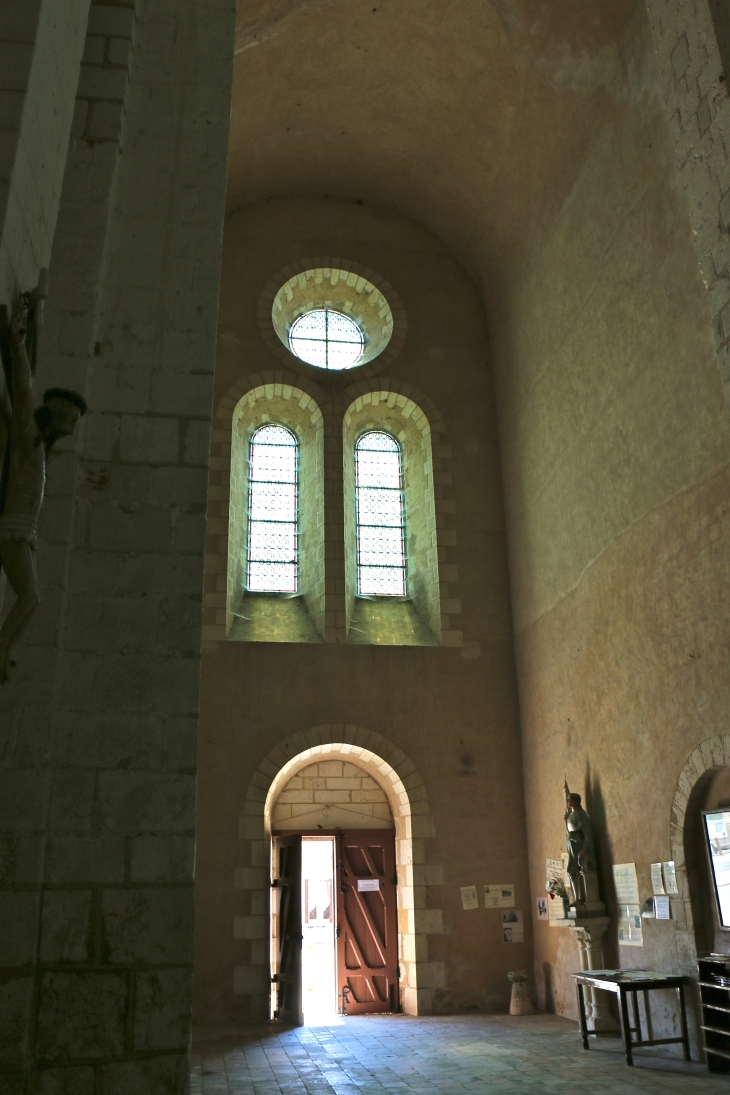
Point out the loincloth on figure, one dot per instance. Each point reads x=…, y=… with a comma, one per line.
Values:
x=19, y=529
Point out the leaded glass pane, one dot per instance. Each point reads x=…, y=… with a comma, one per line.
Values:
x=272, y=577
x=382, y=581
x=272, y=511
x=327, y=339
x=380, y=517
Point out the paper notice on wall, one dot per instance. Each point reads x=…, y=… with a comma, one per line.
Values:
x=629, y=926
x=469, y=899
x=513, y=929
x=553, y=869
x=556, y=908
x=670, y=877
x=499, y=897
x=625, y=881
x=365, y=885
x=657, y=885
x=662, y=908
x=542, y=908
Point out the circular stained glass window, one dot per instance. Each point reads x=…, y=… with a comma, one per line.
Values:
x=327, y=338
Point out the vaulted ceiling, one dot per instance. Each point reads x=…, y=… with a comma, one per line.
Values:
x=470, y=116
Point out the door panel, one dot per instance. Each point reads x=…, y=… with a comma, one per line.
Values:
x=288, y=928
x=367, y=928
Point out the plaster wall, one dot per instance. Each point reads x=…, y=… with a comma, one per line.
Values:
x=451, y=710
x=615, y=445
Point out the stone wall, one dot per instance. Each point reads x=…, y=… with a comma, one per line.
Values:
x=331, y=794
x=450, y=709
x=99, y=727
x=692, y=79
x=40, y=50
x=616, y=450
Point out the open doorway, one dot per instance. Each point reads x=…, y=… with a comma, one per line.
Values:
x=319, y=979
x=334, y=925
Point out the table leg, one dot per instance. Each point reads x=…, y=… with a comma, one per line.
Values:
x=623, y=1011
x=637, y=1019
x=582, y=1016
x=683, y=1022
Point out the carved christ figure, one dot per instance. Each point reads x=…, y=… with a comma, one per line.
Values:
x=31, y=437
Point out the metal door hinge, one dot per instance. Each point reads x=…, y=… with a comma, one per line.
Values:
x=274, y=883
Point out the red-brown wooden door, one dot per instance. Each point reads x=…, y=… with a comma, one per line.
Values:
x=367, y=923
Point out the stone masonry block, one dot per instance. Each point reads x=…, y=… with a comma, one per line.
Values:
x=147, y=685
x=18, y=928
x=162, y=859
x=111, y=20
x=249, y=980
x=119, y=51
x=62, y=1081
x=165, y=1075
x=72, y=799
x=102, y=83
x=66, y=926
x=81, y=1015
x=251, y=878
x=162, y=1009
x=15, y=62
x=139, y=802
x=148, y=925
x=250, y=927
x=76, y=858
x=15, y=1000
x=149, y=440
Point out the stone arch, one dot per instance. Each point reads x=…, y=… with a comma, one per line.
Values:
x=407, y=796
x=703, y=762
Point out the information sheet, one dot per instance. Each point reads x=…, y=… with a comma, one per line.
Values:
x=662, y=908
x=469, y=899
x=542, y=908
x=670, y=877
x=499, y=897
x=513, y=929
x=657, y=884
x=625, y=881
x=629, y=926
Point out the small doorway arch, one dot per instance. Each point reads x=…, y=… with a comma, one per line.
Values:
x=413, y=824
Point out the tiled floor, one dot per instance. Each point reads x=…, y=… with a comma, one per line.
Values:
x=475, y=1055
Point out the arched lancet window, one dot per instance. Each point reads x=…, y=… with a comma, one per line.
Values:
x=379, y=516
x=272, y=511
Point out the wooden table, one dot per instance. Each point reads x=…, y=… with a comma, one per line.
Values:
x=623, y=982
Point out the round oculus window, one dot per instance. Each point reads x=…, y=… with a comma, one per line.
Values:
x=333, y=319
x=327, y=338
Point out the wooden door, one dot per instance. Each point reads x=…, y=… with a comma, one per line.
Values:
x=367, y=939
x=288, y=928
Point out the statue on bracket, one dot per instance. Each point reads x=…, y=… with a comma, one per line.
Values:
x=585, y=898
x=31, y=434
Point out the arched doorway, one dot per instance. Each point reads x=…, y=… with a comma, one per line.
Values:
x=399, y=790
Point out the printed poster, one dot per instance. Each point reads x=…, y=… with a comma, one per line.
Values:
x=662, y=908
x=542, y=908
x=513, y=929
x=469, y=899
x=499, y=897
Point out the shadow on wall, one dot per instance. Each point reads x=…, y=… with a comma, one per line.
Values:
x=596, y=810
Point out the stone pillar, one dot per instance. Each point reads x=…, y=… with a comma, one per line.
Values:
x=589, y=934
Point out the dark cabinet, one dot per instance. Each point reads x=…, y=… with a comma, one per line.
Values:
x=714, y=974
